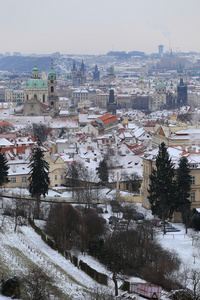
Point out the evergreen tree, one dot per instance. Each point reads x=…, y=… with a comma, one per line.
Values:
x=39, y=179
x=102, y=171
x=183, y=182
x=162, y=187
x=3, y=169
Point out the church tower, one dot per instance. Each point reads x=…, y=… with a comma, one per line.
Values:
x=74, y=72
x=53, y=98
x=182, y=93
x=111, y=105
x=96, y=74
x=78, y=76
x=83, y=72
x=111, y=74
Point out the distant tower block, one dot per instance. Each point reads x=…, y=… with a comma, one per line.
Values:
x=160, y=50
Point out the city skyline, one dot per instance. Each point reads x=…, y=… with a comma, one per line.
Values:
x=97, y=27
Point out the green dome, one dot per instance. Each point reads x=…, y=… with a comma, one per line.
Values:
x=160, y=85
x=36, y=83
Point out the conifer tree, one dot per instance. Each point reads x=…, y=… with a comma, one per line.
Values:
x=39, y=180
x=183, y=182
x=3, y=169
x=162, y=186
x=102, y=171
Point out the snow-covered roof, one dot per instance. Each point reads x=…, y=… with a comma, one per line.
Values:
x=5, y=142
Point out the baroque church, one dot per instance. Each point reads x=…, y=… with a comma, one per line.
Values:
x=41, y=98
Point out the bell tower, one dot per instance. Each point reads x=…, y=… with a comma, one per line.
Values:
x=53, y=98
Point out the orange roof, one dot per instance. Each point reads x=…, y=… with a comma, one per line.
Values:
x=108, y=118
x=113, y=119
x=44, y=106
x=5, y=123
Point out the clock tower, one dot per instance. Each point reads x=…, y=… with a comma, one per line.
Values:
x=53, y=98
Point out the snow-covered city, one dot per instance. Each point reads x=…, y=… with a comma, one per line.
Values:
x=99, y=150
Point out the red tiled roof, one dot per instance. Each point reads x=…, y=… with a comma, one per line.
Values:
x=108, y=118
x=44, y=106
x=5, y=123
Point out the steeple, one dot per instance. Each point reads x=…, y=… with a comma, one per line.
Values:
x=82, y=66
x=52, y=74
x=96, y=74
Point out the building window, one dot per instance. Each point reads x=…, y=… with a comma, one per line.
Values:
x=55, y=177
x=43, y=98
x=13, y=179
x=52, y=89
x=24, y=179
x=192, y=180
x=61, y=177
x=192, y=195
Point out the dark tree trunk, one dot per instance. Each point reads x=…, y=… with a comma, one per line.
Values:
x=115, y=282
x=38, y=207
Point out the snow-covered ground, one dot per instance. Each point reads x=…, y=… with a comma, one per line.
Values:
x=24, y=248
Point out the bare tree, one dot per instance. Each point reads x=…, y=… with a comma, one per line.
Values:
x=63, y=225
x=82, y=181
x=39, y=286
x=195, y=277
x=101, y=295
x=19, y=208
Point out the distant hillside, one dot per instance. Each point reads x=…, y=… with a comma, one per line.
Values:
x=24, y=63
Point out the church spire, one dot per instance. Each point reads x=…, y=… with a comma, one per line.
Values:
x=52, y=74
x=82, y=66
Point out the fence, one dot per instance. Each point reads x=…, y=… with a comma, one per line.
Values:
x=99, y=277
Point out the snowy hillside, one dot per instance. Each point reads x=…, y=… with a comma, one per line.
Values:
x=23, y=249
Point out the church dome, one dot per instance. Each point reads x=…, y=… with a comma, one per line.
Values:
x=160, y=85
x=35, y=83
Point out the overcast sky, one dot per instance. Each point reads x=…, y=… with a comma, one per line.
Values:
x=98, y=26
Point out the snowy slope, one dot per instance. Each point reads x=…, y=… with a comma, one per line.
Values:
x=24, y=248
x=21, y=250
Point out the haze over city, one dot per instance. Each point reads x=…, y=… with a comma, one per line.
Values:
x=96, y=27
